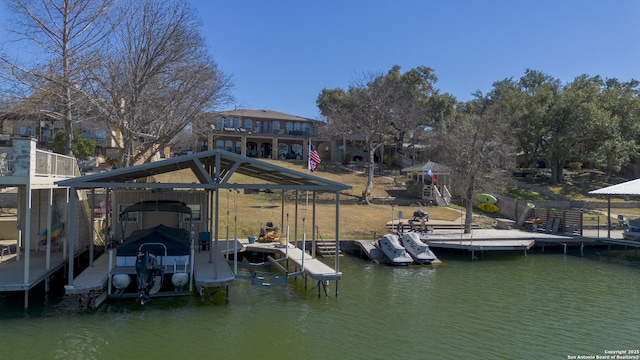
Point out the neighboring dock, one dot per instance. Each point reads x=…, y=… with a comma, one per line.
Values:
x=502, y=240
x=12, y=276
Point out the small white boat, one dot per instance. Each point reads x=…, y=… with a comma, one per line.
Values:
x=418, y=250
x=390, y=245
x=632, y=232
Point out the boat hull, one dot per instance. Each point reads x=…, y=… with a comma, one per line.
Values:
x=631, y=234
x=418, y=250
x=390, y=245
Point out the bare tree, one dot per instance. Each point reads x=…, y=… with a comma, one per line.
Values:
x=67, y=34
x=157, y=78
x=361, y=112
x=473, y=145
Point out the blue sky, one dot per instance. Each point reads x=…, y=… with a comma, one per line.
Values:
x=282, y=53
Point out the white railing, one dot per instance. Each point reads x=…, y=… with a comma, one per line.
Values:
x=52, y=164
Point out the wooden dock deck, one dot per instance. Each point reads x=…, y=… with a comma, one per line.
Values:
x=374, y=254
x=206, y=274
x=313, y=267
x=93, y=278
x=214, y=273
x=12, y=270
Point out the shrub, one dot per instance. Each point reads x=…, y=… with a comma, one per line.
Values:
x=414, y=189
x=575, y=165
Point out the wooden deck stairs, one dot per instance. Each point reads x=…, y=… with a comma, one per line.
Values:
x=327, y=248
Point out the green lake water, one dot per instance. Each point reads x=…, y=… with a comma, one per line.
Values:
x=544, y=306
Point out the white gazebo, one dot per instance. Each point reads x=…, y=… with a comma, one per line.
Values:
x=436, y=180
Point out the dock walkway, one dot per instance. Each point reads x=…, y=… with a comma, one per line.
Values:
x=12, y=270
x=313, y=267
x=93, y=278
x=214, y=273
x=206, y=274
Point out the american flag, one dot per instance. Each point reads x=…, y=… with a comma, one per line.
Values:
x=314, y=158
x=432, y=175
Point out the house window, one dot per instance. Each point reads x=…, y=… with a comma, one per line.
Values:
x=196, y=214
x=220, y=123
x=237, y=123
x=303, y=128
x=296, y=151
x=228, y=145
x=296, y=129
x=248, y=124
x=24, y=130
x=289, y=128
x=220, y=144
x=265, y=127
x=131, y=217
x=283, y=150
x=238, y=147
x=252, y=149
x=276, y=127
x=101, y=134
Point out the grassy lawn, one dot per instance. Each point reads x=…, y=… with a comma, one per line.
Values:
x=252, y=211
x=356, y=221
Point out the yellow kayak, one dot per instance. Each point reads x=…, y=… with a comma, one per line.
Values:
x=490, y=208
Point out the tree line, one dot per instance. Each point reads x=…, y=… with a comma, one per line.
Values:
x=590, y=120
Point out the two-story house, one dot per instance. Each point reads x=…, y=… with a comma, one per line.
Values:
x=261, y=134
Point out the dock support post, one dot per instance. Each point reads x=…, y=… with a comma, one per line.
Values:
x=581, y=249
x=26, y=299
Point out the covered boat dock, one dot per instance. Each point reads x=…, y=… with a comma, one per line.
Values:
x=209, y=171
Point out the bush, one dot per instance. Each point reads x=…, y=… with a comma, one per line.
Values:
x=82, y=148
x=575, y=165
x=414, y=189
x=390, y=159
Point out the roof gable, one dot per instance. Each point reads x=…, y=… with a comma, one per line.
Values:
x=212, y=169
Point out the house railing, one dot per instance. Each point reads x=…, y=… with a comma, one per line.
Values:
x=52, y=164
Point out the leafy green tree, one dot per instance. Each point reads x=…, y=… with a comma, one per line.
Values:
x=527, y=103
x=82, y=148
x=382, y=108
x=580, y=121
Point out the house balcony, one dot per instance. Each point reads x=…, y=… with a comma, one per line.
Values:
x=21, y=163
x=272, y=133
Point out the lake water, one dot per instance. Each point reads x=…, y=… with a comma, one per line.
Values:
x=544, y=306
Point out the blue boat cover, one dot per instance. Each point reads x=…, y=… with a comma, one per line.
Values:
x=176, y=240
